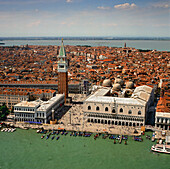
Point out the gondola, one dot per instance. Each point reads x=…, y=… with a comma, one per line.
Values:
x=57, y=137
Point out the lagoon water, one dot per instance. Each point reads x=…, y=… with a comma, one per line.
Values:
x=161, y=45
x=25, y=150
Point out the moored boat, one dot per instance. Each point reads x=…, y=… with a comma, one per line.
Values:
x=136, y=138
x=42, y=136
x=160, y=141
x=65, y=133
x=3, y=130
x=125, y=142
x=148, y=137
x=161, y=148
x=57, y=137
x=13, y=129
x=153, y=138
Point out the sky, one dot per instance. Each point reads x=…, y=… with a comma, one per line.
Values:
x=108, y=18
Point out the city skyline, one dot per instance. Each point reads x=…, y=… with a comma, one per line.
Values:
x=84, y=18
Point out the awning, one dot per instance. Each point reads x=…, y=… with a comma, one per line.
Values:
x=32, y=122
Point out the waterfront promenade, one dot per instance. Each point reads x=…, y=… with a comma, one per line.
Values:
x=73, y=120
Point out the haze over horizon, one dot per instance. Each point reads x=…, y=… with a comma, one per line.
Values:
x=77, y=18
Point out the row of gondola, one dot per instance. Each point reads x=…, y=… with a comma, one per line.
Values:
x=48, y=136
x=75, y=134
x=82, y=134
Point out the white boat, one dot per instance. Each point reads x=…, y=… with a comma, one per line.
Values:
x=3, y=130
x=14, y=129
x=161, y=148
x=153, y=138
x=160, y=141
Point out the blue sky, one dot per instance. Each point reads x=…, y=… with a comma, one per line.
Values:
x=85, y=18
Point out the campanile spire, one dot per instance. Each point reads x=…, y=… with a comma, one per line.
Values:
x=62, y=71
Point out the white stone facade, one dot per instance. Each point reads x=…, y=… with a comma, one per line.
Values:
x=99, y=108
x=162, y=120
x=38, y=111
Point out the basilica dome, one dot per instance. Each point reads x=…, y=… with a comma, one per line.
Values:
x=116, y=87
x=129, y=85
x=119, y=81
x=107, y=83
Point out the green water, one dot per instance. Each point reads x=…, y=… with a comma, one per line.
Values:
x=25, y=150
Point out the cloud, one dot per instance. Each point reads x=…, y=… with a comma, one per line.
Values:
x=162, y=5
x=36, y=23
x=125, y=6
x=103, y=8
x=68, y=23
x=161, y=25
x=69, y=1
x=36, y=10
x=110, y=24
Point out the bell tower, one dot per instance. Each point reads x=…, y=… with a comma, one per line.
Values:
x=62, y=72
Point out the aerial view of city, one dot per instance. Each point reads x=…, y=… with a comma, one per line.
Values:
x=84, y=84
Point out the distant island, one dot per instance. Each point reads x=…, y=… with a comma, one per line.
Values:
x=85, y=38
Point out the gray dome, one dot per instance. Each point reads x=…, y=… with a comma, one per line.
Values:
x=107, y=83
x=116, y=87
x=119, y=81
x=129, y=85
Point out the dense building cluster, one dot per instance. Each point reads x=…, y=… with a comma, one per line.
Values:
x=124, y=82
x=162, y=118
x=38, y=64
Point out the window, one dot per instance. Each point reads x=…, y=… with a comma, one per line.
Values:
x=113, y=111
x=121, y=110
x=129, y=112
x=139, y=113
x=106, y=109
x=97, y=108
x=89, y=107
x=61, y=66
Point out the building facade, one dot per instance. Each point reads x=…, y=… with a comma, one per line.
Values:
x=99, y=108
x=11, y=99
x=162, y=117
x=38, y=111
x=11, y=96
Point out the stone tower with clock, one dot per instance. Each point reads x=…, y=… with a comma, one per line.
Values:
x=62, y=72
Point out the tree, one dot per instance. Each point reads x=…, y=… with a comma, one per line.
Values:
x=4, y=111
x=12, y=110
